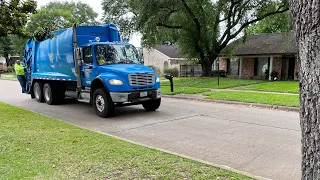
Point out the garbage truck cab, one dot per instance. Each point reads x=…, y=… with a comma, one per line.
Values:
x=93, y=65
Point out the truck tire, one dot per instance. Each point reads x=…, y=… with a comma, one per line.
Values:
x=102, y=103
x=37, y=91
x=50, y=94
x=152, y=105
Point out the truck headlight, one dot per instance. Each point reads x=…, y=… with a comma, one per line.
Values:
x=158, y=79
x=115, y=82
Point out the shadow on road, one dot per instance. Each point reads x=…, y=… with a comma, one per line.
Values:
x=119, y=111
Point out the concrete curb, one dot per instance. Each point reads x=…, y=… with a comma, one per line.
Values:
x=283, y=108
x=159, y=149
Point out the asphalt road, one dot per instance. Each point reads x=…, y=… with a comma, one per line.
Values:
x=262, y=142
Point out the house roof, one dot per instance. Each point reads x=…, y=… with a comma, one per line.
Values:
x=172, y=51
x=265, y=44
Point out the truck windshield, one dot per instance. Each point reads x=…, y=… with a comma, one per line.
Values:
x=116, y=54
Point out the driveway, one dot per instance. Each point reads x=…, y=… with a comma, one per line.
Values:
x=262, y=142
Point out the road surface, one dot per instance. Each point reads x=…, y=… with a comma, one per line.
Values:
x=261, y=142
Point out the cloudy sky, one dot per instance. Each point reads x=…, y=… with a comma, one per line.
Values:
x=96, y=5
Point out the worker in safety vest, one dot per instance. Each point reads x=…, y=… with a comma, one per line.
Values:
x=19, y=69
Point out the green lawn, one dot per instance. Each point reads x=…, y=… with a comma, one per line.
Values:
x=210, y=82
x=8, y=76
x=279, y=86
x=182, y=90
x=33, y=146
x=255, y=97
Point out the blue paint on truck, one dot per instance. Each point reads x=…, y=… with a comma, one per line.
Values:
x=91, y=64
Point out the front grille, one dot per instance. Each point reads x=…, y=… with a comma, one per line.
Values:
x=141, y=79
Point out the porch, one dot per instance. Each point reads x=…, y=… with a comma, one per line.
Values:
x=257, y=67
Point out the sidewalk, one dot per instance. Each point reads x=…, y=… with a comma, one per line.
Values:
x=200, y=97
x=267, y=92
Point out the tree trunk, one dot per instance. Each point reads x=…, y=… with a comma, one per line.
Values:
x=306, y=21
x=207, y=67
x=6, y=56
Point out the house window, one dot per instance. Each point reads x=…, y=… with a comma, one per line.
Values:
x=234, y=66
x=261, y=65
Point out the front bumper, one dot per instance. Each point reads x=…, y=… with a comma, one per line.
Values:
x=134, y=97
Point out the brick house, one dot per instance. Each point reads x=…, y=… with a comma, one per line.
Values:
x=261, y=53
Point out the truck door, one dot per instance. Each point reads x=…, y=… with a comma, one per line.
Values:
x=87, y=69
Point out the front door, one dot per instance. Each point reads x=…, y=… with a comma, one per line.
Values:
x=87, y=69
x=292, y=64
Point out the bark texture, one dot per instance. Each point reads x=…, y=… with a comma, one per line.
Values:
x=306, y=18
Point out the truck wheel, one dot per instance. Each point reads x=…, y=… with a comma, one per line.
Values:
x=37, y=91
x=50, y=94
x=102, y=103
x=152, y=105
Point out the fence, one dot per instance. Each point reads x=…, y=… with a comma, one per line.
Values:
x=190, y=70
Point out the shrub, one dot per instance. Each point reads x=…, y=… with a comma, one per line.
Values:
x=173, y=71
x=220, y=73
x=266, y=72
x=274, y=74
x=8, y=69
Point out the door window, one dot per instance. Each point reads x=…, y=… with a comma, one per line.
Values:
x=87, y=55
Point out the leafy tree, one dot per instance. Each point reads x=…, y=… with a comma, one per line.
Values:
x=120, y=13
x=123, y=14
x=204, y=27
x=5, y=48
x=306, y=17
x=14, y=16
x=279, y=23
x=12, y=45
x=17, y=44
x=56, y=15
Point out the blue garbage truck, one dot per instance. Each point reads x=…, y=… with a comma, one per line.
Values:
x=91, y=64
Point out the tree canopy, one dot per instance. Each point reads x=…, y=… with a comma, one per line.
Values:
x=203, y=27
x=279, y=23
x=14, y=16
x=56, y=15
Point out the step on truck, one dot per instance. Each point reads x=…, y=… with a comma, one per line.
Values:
x=91, y=64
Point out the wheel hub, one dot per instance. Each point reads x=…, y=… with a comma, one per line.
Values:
x=47, y=94
x=37, y=92
x=100, y=104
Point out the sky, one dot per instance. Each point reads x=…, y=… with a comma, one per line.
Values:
x=96, y=5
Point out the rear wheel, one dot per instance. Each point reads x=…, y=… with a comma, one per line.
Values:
x=51, y=94
x=37, y=91
x=102, y=103
x=152, y=105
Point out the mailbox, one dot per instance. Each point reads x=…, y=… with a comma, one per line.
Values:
x=170, y=77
